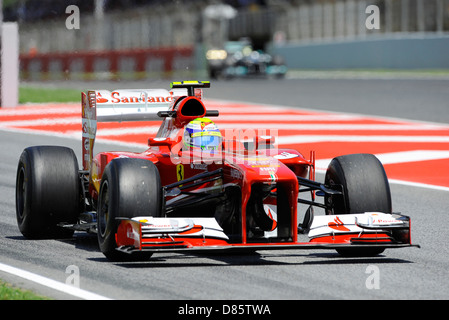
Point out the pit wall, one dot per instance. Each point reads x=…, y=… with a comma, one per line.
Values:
x=395, y=51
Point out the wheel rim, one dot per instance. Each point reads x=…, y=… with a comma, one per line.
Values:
x=103, y=212
x=21, y=193
x=329, y=200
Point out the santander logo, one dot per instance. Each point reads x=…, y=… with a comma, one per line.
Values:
x=337, y=224
x=126, y=97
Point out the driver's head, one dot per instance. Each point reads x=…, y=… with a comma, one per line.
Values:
x=202, y=134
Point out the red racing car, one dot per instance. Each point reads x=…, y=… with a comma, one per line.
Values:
x=199, y=188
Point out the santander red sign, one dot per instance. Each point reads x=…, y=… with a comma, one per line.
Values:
x=132, y=97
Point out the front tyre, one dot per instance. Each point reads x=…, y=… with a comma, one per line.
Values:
x=129, y=188
x=365, y=189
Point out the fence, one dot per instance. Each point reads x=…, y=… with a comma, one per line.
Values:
x=136, y=44
x=152, y=27
x=114, y=44
x=412, y=34
x=340, y=19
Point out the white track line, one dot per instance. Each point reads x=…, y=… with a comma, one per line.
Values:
x=42, y=122
x=59, y=286
x=39, y=111
x=327, y=127
x=399, y=157
x=289, y=117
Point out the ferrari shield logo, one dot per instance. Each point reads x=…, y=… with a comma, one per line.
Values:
x=180, y=172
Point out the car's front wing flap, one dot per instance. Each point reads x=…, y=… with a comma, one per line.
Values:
x=373, y=229
x=145, y=233
x=363, y=228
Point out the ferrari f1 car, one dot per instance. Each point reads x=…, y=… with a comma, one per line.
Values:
x=197, y=188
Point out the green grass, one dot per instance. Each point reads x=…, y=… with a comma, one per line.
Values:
x=43, y=95
x=9, y=292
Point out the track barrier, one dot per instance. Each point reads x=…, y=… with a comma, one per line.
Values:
x=125, y=64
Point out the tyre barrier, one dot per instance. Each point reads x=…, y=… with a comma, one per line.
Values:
x=129, y=64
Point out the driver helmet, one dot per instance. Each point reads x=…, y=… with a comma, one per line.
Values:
x=202, y=134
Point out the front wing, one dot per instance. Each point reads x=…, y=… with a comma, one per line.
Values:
x=371, y=229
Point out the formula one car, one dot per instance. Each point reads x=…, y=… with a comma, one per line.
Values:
x=239, y=59
x=197, y=188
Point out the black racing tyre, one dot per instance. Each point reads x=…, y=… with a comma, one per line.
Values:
x=365, y=188
x=47, y=192
x=129, y=188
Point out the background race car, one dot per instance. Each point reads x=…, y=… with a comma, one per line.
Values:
x=239, y=59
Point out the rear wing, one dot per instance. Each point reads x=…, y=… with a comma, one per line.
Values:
x=129, y=105
x=118, y=106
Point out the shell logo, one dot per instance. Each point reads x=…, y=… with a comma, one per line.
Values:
x=337, y=224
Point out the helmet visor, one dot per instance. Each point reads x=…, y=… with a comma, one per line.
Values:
x=206, y=140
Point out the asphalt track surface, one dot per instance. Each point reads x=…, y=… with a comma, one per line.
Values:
x=410, y=273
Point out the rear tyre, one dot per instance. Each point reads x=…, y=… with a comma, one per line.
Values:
x=47, y=192
x=129, y=188
x=365, y=189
